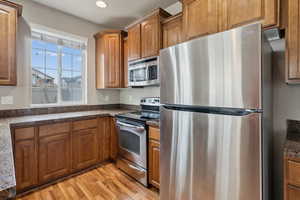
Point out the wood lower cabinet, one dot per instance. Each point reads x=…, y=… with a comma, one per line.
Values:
x=172, y=31
x=154, y=154
x=104, y=135
x=85, y=150
x=200, y=17
x=48, y=152
x=9, y=13
x=25, y=158
x=134, y=42
x=54, y=157
x=114, y=147
x=291, y=179
x=110, y=59
x=126, y=62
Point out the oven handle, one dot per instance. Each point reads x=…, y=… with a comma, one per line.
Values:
x=138, y=128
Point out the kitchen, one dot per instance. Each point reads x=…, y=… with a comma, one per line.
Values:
x=73, y=73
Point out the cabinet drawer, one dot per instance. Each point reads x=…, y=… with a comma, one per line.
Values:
x=292, y=193
x=84, y=124
x=53, y=129
x=24, y=133
x=154, y=133
x=293, y=173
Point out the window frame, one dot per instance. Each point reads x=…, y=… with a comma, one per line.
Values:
x=84, y=52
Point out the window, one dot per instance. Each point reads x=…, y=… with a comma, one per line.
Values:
x=58, y=67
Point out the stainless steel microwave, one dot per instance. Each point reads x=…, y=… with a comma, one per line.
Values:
x=143, y=72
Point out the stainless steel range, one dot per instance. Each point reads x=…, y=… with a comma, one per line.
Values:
x=133, y=134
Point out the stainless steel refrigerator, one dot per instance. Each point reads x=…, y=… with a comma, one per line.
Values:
x=216, y=117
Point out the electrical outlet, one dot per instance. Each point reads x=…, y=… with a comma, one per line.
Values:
x=7, y=100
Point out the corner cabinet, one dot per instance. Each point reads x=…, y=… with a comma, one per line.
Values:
x=110, y=59
x=9, y=13
x=145, y=35
x=154, y=156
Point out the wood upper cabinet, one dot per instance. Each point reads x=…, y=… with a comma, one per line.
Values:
x=54, y=157
x=85, y=147
x=272, y=13
x=8, y=29
x=150, y=30
x=200, y=17
x=109, y=59
x=125, y=62
x=25, y=158
x=172, y=31
x=240, y=12
x=154, y=154
x=145, y=35
x=292, y=42
x=134, y=42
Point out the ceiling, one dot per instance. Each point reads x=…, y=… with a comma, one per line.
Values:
x=118, y=14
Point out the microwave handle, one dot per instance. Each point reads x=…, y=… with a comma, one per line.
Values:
x=138, y=128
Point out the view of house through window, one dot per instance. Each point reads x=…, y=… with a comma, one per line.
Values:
x=57, y=70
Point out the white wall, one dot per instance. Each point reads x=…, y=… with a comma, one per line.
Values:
x=34, y=13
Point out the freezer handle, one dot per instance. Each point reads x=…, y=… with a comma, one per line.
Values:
x=213, y=110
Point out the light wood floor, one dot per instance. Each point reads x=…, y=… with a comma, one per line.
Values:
x=103, y=183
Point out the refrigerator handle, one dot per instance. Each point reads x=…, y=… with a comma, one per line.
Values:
x=213, y=110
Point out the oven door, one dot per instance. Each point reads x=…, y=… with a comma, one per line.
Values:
x=133, y=142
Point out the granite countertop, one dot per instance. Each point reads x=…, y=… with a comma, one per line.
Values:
x=7, y=171
x=292, y=143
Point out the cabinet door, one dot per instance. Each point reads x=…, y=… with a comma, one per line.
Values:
x=292, y=42
x=134, y=42
x=54, y=157
x=172, y=31
x=271, y=18
x=85, y=148
x=104, y=138
x=240, y=12
x=25, y=163
x=113, y=62
x=154, y=163
x=151, y=43
x=125, y=63
x=200, y=17
x=114, y=145
x=8, y=24
x=292, y=193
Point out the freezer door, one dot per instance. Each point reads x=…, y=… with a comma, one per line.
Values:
x=210, y=157
x=220, y=70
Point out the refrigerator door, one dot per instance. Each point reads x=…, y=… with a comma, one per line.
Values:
x=220, y=70
x=210, y=156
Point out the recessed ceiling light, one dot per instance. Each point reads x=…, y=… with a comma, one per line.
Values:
x=101, y=4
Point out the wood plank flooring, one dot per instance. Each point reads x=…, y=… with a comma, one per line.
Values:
x=103, y=183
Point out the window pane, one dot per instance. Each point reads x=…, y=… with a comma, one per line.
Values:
x=76, y=80
x=51, y=47
x=71, y=51
x=66, y=79
x=77, y=94
x=38, y=78
x=51, y=60
x=66, y=94
x=77, y=60
x=66, y=61
x=37, y=58
x=44, y=95
x=51, y=78
x=38, y=44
